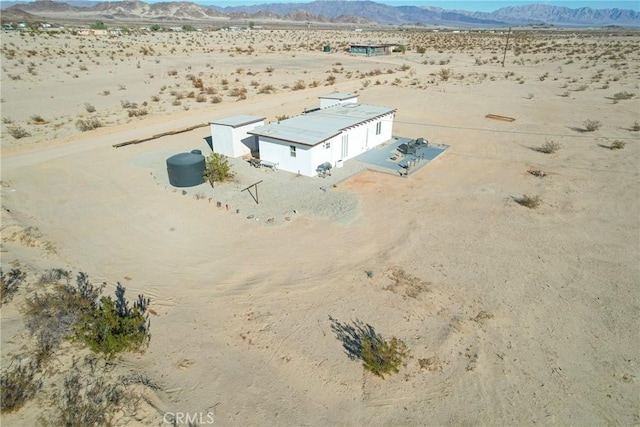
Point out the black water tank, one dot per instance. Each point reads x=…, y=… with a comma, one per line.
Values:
x=186, y=169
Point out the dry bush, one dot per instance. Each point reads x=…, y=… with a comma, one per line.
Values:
x=18, y=384
x=445, y=73
x=635, y=127
x=10, y=283
x=128, y=104
x=622, y=96
x=216, y=99
x=299, y=85
x=548, y=147
x=17, y=132
x=267, y=89
x=89, y=107
x=137, y=112
x=530, y=202
x=591, y=125
x=617, y=145
x=201, y=98
x=88, y=124
x=38, y=119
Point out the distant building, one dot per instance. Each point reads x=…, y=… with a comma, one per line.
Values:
x=371, y=49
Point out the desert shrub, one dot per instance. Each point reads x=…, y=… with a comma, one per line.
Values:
x=113, y=327
x=530, y=202
x=88, y=124
x=405, y=67
x=270, y=69
x=128, y=104
x=617, y=145
x=10, y=283
x=155, y=98
x=445, y=73
x=382, y=357
x=7, y=120
x=635, y=127
x=282, y=117
x=201, y=98
x=548, y=147
x=17, y=132
x=18, y=384
x=620, y=96
x=592, y=125
x=86, y=400
x=38, y=119
x=217, y=169
x=137, y=112
x=216, y=99
x=361, y=341
x=89, y=107
x=51, y=316
x=267, y=89
x=300, y=84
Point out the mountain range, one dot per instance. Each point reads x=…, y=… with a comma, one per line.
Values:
x=358, y=11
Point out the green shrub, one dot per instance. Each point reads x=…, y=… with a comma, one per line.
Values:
x=113, y=326
x=361, y=341
x=217, y=169
x=382, y=357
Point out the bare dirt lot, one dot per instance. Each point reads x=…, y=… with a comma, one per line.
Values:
x=512, y=314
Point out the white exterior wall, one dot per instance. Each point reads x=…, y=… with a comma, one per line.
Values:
x=360, y=139
x=276, y=151
x=228, y=140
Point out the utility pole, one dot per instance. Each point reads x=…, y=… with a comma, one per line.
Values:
x=505, y=48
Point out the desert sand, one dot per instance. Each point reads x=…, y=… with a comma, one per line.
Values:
x=512, y=316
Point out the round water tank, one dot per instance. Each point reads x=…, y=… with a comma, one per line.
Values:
x=186, y=169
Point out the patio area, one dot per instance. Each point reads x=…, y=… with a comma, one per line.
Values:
x=393, y=157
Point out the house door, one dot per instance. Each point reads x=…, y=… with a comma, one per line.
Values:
x=345, y=146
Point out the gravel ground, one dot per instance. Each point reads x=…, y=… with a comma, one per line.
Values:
x=281, y=194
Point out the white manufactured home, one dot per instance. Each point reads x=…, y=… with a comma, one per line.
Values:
x=340, y=130
x=230, y=136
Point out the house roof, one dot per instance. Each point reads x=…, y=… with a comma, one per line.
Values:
x=237, y=121
x=339, y=96
x=318, y=126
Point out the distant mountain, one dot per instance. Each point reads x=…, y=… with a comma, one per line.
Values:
x=541, y=13
x=348, y=11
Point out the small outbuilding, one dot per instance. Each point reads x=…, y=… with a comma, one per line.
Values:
x=186, y=169
x=230, y=136
x=371, y=49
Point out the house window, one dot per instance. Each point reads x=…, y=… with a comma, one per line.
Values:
x=292, y=150
x=378, y=128
x=327, y=145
